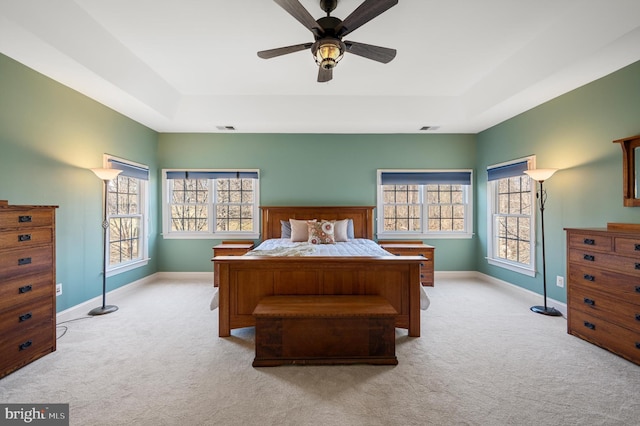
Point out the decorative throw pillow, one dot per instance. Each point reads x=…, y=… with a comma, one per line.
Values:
x=340, y=230
x=299, y=230
x=321, y=232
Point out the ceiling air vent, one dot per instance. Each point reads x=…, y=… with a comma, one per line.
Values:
x=228, y=128
x=426, y=128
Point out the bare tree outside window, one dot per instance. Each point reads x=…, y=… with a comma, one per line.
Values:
x=513, y=219
x=124, y=216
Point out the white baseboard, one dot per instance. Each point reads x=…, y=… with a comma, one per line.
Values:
x=84, y=307
x=562, y=307
x=191, y=276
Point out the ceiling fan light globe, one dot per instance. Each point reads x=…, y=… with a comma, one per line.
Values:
x=327, y=55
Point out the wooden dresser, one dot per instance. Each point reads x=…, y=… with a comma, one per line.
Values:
x=414, y=248
x=27, y=284
x=603, y=289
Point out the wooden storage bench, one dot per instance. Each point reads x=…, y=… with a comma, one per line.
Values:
x=324, y=330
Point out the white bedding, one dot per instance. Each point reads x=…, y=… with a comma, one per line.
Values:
x=354, y=247
x=285, y=247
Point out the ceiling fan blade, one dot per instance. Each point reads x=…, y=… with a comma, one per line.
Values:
x=272, y=53
x=369, y=51
x=324, y=75
x=302, y=15
x=368, y=10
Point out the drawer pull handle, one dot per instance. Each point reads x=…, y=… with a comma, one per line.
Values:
x=24, y=219
x=637, y=247
x=637, y=317
x=24, y=237
x=24, y=261
x=589, y=277
x=590, y=302
x=637, y=265
x=589, y=257
x=25, y=317
x=25, y=345
x=420, y=254
x=25, y=289
x=589, y=325
x=421, y=276
x=421, y=264
x=638, y=289
x=637, y=345
x=589, y=241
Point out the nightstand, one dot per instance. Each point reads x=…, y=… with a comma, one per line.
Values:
x=414, y=248
x=229, y=248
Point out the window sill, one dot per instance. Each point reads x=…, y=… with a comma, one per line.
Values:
x=127, y=267
x=433, y=236
x=512, y=267
x=230, y=236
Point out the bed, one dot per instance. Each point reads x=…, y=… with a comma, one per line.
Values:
x=244, y=280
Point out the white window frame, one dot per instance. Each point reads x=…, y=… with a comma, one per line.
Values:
x=143, y=260
x=425, y=233
x=492, y=236
x=211, y=233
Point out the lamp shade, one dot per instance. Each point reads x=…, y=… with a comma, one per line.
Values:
x=106, y=174
x=540, y=175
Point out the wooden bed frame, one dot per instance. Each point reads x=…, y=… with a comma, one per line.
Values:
x=244, y=280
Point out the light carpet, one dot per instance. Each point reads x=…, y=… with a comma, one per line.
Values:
x=483, y=359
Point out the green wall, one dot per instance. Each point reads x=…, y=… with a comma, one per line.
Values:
x=313, y=170
x=49, y=137
x=574, y=133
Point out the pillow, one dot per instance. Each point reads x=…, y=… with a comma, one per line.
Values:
x=340, y=230
x=321, y=232
x=299, y=230
x=285, y=229
x=350, y=232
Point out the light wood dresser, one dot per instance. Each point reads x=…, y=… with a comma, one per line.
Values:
x=603, y=289
x=414, y=248
x=27, y=284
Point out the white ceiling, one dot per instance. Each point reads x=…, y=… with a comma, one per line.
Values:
x=191, y=65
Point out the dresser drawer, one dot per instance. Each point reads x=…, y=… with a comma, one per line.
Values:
x=625, y=265
x=618, y=285
x=27, y=346
x=25, y=238
x=25, y=261
x=592, y=242
x=27, y=218
x=628, y=247
x=604, y=306
x=24, y=290
x=612, y=337
x=20, y=318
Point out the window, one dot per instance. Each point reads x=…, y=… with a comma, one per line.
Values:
x=511, y=216
x=127, y=210
x=210, y=204
x=424, y=204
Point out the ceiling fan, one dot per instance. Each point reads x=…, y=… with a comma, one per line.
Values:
x=328, y=31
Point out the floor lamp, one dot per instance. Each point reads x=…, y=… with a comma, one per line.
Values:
x=106, y=175
x=540, y=175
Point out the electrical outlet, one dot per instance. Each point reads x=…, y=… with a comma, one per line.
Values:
x=560, y=281
x=58, y=289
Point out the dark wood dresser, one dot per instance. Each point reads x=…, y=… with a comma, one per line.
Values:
x=603, y=288
x=27, y=284
x=414, y=248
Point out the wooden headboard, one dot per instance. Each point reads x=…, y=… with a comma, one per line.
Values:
x=362, y=218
